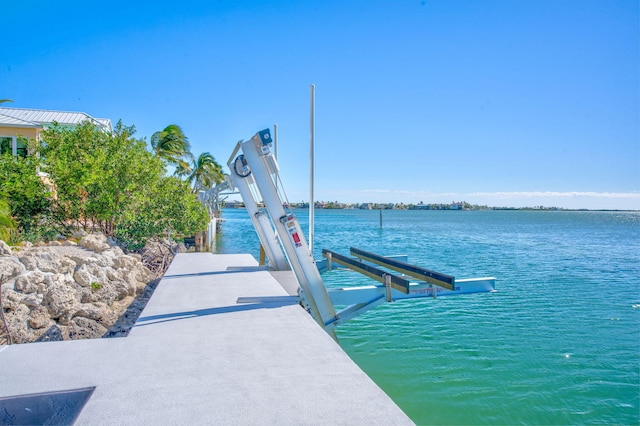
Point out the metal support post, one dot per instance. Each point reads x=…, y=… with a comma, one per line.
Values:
x=387, y=285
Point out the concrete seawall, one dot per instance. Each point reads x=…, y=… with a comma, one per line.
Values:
x=197, y=356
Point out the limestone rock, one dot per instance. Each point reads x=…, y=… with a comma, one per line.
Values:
x=33, y=300
x=67, y=266
x=45, y=260
x=52, y=280
x=85, y=328
x=99, y=292
x=16, y=321
x=117, y=251
x=137, y=277
x=65, y=292
x=108, y=257
x=29, y=262
x=5, y=250
x=10, y=298
x=28, y=283
x=90, y=310
x=126, y=262
x=142, y=273
x=103, y=260
x=39, y=318
x=122, y=289
x=54, y=243
x=110, y=314
x=79, y=259
x=95, y=242
x=82, y=276
x=10, y=267
x=62, y=303
x=79, y=234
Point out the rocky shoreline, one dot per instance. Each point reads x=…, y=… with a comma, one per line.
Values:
x=68, y=290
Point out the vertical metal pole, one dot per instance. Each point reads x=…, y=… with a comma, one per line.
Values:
x=311, y=164
x=387, y=285
x=275, y=141
x=275, y=146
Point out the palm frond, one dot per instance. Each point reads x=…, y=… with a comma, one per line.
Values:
x=171, y=145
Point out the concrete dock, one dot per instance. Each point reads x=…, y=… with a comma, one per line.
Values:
x=198, y=356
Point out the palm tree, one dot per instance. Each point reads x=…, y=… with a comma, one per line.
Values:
x=5, y=100
x=204, y=172
x=183, y=169
x=172, y=146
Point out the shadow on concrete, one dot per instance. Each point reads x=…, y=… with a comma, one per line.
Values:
x=126, y=321
x=49, y=408
x=229, y=270
x=157, y=319
x=53, y=334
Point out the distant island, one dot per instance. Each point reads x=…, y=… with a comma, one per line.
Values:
x=456, y=205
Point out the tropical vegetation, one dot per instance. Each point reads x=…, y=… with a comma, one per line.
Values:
x=204, y=173
x=173, y=148
x=105, y=181
x=28, y=198
x=6, y=221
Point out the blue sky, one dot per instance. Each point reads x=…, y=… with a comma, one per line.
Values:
x=505, y=103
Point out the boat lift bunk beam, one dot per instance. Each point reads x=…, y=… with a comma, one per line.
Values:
x=395, y=287
x=377, y=274
x=391, y=284
x=432, y=277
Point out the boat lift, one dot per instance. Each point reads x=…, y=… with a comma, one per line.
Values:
x=254, y=172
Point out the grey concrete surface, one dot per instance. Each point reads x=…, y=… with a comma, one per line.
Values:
x=196, y=356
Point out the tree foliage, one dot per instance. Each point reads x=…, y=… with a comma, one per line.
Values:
x=173, y=147
x=29, y=200
x=112, y=182
x=100, y=180
x=169, y=205
x=7, y=223
x=205, y=172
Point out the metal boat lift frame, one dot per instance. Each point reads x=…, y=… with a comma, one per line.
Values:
x=254, y=172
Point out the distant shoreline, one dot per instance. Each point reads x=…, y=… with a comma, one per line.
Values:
x=321, y=205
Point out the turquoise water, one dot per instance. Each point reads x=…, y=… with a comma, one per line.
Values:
x=558, y=343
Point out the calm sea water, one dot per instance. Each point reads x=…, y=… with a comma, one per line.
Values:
x=558, y=343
